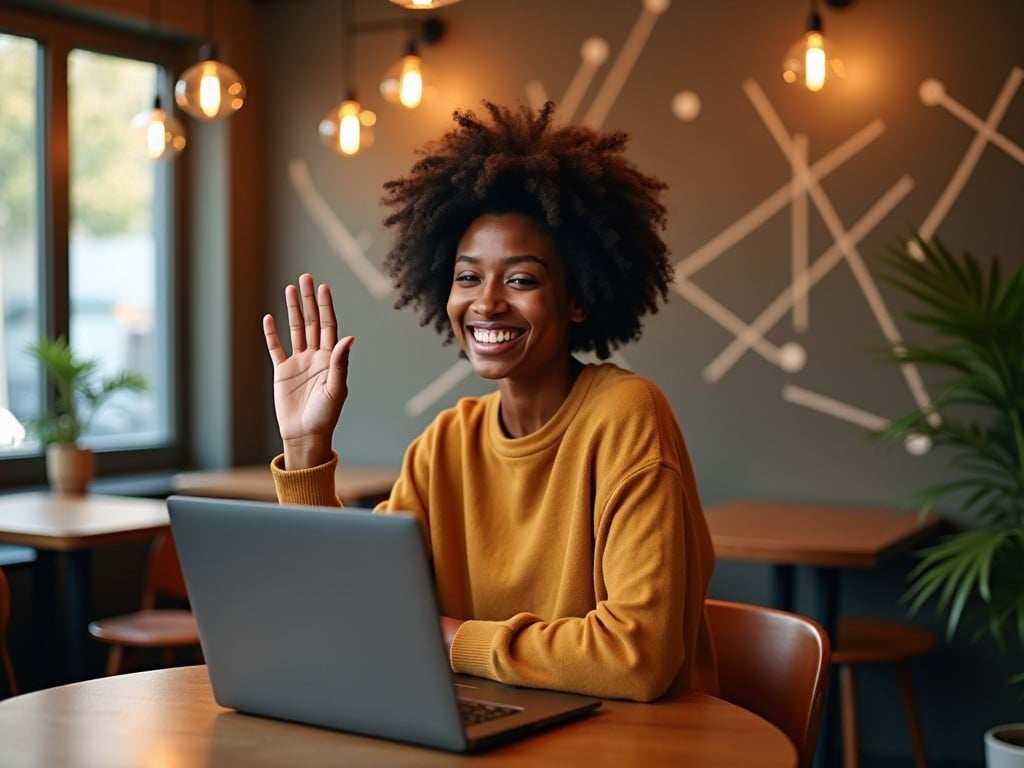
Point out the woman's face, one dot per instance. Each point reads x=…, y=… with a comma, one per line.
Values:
x=509, y=304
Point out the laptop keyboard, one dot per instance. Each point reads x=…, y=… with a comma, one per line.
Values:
x=475, y=712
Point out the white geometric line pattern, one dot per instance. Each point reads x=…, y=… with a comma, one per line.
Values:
x=933, y=93
x=352, y=250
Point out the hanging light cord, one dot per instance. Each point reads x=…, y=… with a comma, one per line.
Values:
x=348, y=40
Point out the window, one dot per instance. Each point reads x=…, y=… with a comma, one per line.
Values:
x=86, y=233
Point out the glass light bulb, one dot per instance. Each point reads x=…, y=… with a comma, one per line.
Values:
x=210, y=90
x=346, y=128
x=161, y=135
x=349, y=128
x=423, y=5
x=814, y=62
x=809, y=60
x=410, y=83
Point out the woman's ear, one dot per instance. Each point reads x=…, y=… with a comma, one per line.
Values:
x=576, y=313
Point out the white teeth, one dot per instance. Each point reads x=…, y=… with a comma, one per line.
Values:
x=493, y=337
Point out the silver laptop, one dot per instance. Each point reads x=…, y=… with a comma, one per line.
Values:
x=329, y=617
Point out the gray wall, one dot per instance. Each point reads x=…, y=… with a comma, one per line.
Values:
x=746, y=438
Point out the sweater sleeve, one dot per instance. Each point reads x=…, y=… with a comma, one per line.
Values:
x=313, y=486
x=631, y=645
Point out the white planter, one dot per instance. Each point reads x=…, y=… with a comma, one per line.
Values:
x=1004, y=746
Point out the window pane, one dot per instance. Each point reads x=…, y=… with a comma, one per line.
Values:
x=118, y=305
x=20, y=385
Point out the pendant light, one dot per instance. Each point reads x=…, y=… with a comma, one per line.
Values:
x=809, y=59
x=209, y=89
x=347, y=127
x=405, y=83
x=423, y=5
x=159, y=133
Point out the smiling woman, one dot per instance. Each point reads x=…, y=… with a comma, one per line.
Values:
x=568, y=542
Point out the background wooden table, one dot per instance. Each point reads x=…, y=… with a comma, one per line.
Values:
x=65, y=529
x=825, y=537
x=360, y=486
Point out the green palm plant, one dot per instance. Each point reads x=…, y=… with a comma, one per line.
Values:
x=80, y=394
x=974, y=317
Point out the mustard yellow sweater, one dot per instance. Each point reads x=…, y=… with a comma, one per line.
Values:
x=578, y=555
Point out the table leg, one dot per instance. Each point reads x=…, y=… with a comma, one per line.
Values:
x=79, y=589
x=60, y=626
x=784, y=587
x=826, y=612
x=46, y=628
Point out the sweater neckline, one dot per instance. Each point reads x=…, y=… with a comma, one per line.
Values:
x=553, y=429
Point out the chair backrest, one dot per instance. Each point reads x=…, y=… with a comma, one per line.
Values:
x=5, y=617
x=775, y=664
x=163, y=573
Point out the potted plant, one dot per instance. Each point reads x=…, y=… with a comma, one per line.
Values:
x=80, y=394
x=973, y=315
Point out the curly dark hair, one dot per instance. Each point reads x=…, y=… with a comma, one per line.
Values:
x=602, y=214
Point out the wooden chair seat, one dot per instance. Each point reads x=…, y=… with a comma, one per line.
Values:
x=151, y=626
x=145, y=629
x=861, y=640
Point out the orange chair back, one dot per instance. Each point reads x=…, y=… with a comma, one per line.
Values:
x=163, y=573
x=5, y=617
x=774, y=664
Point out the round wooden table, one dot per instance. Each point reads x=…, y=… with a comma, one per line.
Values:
x=168, y=718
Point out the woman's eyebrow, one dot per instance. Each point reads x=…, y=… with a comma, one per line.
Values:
x=525, y=258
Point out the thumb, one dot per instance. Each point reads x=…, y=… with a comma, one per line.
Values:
x=337, y=374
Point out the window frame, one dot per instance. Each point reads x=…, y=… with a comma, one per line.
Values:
x=57, y=34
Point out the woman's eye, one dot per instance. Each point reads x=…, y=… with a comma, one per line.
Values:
x=466, y=278
x=523, y=281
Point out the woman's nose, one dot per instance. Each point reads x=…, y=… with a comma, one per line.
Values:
x=490, y=299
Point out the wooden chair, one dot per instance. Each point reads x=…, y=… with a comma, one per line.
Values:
x=861, y=641
x=5, y=616
x=775, y=664
x=152, y=626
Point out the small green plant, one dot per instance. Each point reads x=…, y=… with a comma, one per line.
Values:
x=974, y=317
x=80, y=393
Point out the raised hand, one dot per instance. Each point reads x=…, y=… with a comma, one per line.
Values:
x=310, y=385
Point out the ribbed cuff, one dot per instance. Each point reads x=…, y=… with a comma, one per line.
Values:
x=472, y=648
x=313, y=486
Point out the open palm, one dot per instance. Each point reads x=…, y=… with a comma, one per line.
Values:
x=310, y=385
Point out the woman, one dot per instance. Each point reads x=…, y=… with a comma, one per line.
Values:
x=561, y=513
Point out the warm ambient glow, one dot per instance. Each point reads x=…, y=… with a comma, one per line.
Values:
x=161, y=134
x=210, y=90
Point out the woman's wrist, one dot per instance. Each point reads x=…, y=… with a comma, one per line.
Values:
x=305, y=453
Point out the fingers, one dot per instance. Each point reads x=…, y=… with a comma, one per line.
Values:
x=312, y=323
x=310, y=311
x=328, y=320
x=296, y=327
x=277, y=355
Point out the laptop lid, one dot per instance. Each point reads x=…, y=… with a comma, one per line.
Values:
x=328, y=616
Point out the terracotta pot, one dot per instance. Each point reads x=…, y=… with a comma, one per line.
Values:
x=69, y=467
x=1004, y=746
